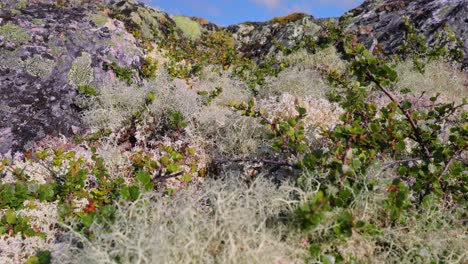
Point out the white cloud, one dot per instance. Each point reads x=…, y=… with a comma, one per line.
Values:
x=305, y=4
x=271, y=4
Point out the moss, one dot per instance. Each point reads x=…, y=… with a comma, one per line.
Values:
x=99, y=19
x=289, y=18
x=14, y=33
x=39, y=67
x=190, y=28
x=81, y=72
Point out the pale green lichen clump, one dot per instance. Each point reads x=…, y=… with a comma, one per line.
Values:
x=9, y=60
x=99, y=19
x=14, y=33
x=190, y=28
x=38, y=66
x=81, y=72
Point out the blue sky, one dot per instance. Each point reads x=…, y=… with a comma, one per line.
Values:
x=228, y=12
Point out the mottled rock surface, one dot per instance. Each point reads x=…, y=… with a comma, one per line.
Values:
x=46, y=52
x=256, y=39
x=378, y=21
x=49, y=48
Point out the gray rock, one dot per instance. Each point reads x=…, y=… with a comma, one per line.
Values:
x=257, y=39
x=378, y=21
x=39, y=46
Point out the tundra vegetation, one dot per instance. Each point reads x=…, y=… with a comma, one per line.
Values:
x=327, y=154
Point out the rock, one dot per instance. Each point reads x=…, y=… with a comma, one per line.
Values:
x=48, y=49
x=47, y=52
x=378, y=21
x=261, y=38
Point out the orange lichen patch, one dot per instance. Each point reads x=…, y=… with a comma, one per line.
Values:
x=289, y=18
x=366, y=29
x=393, y=6
x=200, y=20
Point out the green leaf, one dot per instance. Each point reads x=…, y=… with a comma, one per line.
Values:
x=401, y=146
x=172, y=168
x=10, y=217
x=87, y=220
x=375, y=127
x=143, y=177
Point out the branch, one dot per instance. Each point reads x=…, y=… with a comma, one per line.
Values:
x=253, y=160
x=405, y=112
x=449, y=163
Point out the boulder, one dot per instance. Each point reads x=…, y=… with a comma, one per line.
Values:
x=378, y=21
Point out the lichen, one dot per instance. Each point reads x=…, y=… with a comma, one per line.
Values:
x=9, y=60
x=81, y=73
x=190, y=28
x=14, y=33
x=100, y=19
x=39, y=67
x=55, y=49
x=289, y=18
x=22, y=4
x=38, y=21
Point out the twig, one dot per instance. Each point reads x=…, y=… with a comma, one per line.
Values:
x=253, y=160
x=167, y=176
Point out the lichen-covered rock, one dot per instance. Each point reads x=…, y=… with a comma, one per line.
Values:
x=380, y=21
x=261, y=38
x=46, y=53
x=14, y=34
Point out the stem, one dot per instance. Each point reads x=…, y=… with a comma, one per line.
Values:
x=253, y=160
x=405, y=112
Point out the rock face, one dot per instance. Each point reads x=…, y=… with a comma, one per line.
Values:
x=49, y=48
x=261, y=38
x=47, y=52
x=377, y=21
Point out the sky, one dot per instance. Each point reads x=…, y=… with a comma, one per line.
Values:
x=228, y=12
